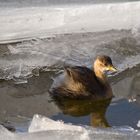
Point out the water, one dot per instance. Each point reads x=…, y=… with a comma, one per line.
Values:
x=36, y=63
x=20, y=102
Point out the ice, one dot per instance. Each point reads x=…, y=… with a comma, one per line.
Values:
x=40, y=21
x=43, y=128
x=132, y=100
x=49, y=47
x=23, y=3
x=23, y=60
x=40, y=123
x=138, y=124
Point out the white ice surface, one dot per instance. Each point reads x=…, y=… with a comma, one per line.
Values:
x=29, y=22
x=43, y=128
x=138, y=124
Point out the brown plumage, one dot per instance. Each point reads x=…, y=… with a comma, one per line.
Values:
x=81, y=82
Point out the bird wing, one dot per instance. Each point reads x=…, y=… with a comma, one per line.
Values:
x=83, y=75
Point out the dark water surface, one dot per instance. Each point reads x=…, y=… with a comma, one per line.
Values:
x=19, y=102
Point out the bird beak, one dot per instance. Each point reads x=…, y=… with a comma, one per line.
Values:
x=111, y=68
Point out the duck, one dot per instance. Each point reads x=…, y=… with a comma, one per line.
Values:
x=81, y=82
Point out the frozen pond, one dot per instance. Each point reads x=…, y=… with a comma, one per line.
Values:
x=35, y=63
x=37, y=39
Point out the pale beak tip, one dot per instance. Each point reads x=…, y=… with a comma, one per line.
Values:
x=114, y=69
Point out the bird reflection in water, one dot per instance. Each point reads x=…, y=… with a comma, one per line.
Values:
x=79, y=108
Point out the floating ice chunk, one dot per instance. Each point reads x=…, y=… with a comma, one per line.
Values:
x=132, y=100
x=124, y=128
x=40, y=123
x=138, y=124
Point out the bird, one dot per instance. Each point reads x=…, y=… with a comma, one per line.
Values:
x=81, y=82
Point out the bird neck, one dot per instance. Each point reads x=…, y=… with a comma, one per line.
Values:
x=98, y=70
x=100, y=76
x=103, y=80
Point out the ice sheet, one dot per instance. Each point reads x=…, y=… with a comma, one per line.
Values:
x=29, y=22
x=22, y=60
x=30, y=3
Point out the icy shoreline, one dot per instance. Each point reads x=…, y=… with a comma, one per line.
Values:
x=32, y=22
